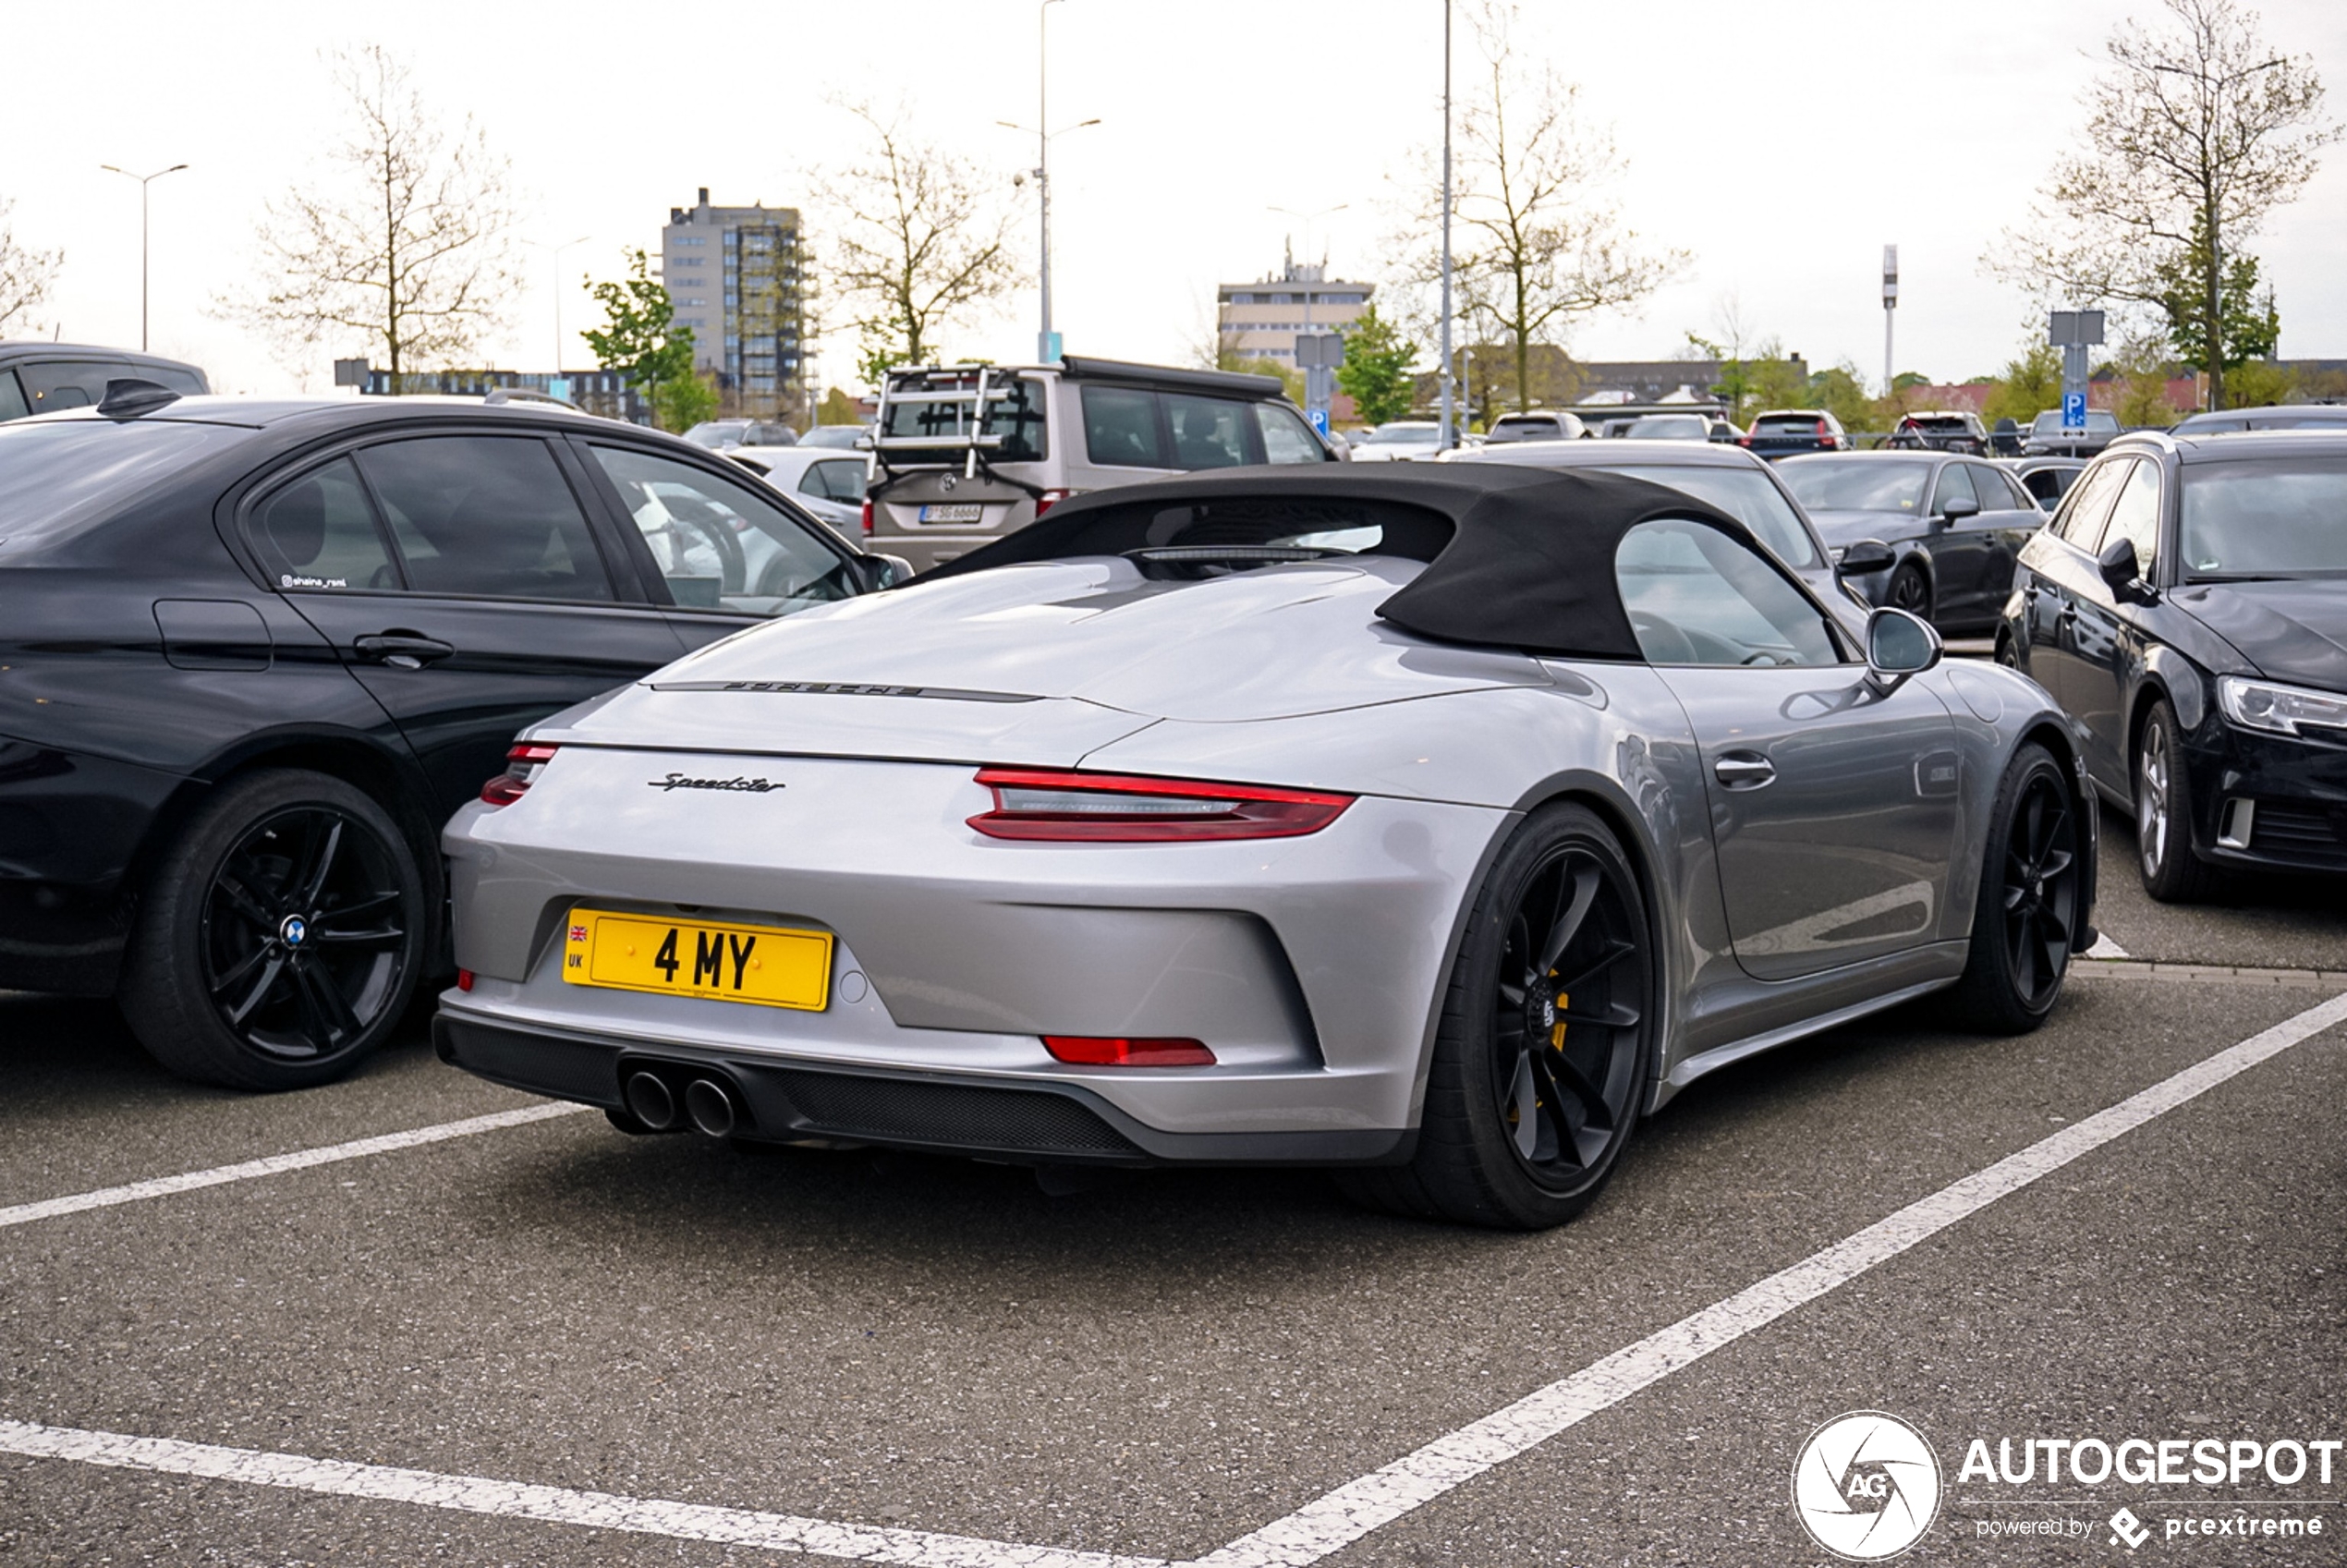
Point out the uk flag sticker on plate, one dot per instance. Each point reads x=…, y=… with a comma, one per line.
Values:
x=578, y=933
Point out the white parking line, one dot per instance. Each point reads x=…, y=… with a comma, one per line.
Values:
x=1325, y=1525
x=559, y=1505
x=275, y=1164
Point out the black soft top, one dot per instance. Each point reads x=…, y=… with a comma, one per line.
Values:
x=1518, y=557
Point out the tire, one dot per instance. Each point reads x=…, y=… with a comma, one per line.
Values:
x=2008, y=653
x=2172, y=870
x=281, y=938
x=1910, y=591
x=2027, y=919
x=1522, y=1128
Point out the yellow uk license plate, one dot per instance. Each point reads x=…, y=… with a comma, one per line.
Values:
x=772, y=965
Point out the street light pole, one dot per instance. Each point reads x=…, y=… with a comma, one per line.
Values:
x=1443, y=443
x=554, y=253
x=143, y=181
x=1044, y=351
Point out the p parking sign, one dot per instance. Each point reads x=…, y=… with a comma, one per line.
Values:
x=2073, y=411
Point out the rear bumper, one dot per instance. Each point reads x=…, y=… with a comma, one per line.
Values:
x=71, y=827
x=959, y=1113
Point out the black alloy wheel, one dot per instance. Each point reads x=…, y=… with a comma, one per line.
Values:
x=2028, y=916
x=2172, y=871
x=282, y=939
x=1909, y=592
x=1545, y=1043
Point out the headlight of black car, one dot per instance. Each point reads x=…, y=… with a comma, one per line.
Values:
x=2282, y=710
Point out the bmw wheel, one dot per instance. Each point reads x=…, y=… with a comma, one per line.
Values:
x=2028, y=914
x=2172, y=871
x=281, y=939
x=1546, y=1042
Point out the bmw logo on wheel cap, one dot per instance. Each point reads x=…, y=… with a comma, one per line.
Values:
x=1866, y=1486
x=293, y=930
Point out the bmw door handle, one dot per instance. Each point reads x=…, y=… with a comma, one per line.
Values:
x=1743, y=770
x=401, y=649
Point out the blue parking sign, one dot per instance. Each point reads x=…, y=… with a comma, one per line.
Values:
x=1320, y=417
x=2074, y=410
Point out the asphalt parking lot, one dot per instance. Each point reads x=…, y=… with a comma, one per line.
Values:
x=1160, y=1368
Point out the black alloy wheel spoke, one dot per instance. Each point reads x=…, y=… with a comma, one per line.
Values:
x=2056, y=863
x=314, y=881
x=324, y=1006
x=260, y=991
x=241, y=901
x=1566, y=1079
x=1568, y=922
x=1558, y=1110
x=1614, y=1015
x=241, y=968
x=1615, y=952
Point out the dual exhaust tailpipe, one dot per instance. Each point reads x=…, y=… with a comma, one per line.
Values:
x=707, y=1103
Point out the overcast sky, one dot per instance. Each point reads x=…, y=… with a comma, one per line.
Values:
x=1782, y=146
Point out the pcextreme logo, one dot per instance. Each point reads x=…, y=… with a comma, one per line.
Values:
x=1866, y=1486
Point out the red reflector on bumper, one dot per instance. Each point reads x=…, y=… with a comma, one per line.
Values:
x=464, y=980
x=1121, y=1050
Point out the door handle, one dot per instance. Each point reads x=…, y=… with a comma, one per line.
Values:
x=1743, y=770
x=401, y=649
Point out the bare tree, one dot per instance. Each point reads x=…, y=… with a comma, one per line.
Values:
x=2193, y=135
x=919, y=237
x=1538, y=240
x=24, y=272
x=406, y=244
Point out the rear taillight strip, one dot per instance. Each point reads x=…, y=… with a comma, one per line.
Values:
x=1052, y=805
x=523, y=764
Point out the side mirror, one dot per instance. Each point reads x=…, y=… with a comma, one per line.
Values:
x=1865, y=558
x=1898, y=645
x=886, y=571
x=1957, y=510
x=2116, y=566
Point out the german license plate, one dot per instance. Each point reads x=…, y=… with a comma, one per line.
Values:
x=771, y=966
x=952, y=511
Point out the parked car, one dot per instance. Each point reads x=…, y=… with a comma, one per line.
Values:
x=1537, y=424
x=2046, y=480
x=2047, y=439
x=1438, y=823
x=2188, y=607
x=2299, y=416
x=824, y=480
x=257, y=651
x=42, y=378
x=1398, y=441
x=723, y=435
x=1947, y=430
x=1679, y=427
x=1737, y=482
x=836, y=435
x=1783, y=432
x=1954, y=526
x=965, y=453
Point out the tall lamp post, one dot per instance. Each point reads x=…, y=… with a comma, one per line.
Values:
x=1046, y=341
x=554, y=254
x=1314, y=396
x=144, y=180
x=1448, y=436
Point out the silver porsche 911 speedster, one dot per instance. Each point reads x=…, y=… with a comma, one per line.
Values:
x=1434, y=824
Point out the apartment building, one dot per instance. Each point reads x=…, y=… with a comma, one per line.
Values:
x=737, y=276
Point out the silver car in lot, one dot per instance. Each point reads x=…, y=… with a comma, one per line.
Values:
x=1434, y=823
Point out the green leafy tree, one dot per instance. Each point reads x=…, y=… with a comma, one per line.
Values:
x=2258, y=384
x=2245, y=326
x=640, y=338
x=2030, y=384
x=684, y=402
x=1842, y=392
x=2141, y=367
x=1376, y=373
x=837, y=409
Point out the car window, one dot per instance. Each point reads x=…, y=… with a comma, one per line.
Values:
x=2079, y=520
x=1743, y=495
x=2277, y=518
x=835, y=479
x=319, y=532
x=1287, y=439
x=69, y=384
x=1695, y=596
x=1685, y=427
x=2135, y=515
x=12, y=402
x=720, y=545
x=1209, y=432
x=1860, y=484
x=1955, y=484
x=487, y=514
x=2048, y=485
x=185, y=382
x=1998, y=492
x=1120, y=428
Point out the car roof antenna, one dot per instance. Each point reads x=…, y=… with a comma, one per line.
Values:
x=128, y=397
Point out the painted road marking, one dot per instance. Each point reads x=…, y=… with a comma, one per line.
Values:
x=276, y=1164
x=1325, y=1525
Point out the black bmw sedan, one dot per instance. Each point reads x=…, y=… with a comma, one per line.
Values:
x=1953, y=525
x=2188, y=604
x=252, y=654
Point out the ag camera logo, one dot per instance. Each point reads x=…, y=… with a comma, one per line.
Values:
x=1866, y=1486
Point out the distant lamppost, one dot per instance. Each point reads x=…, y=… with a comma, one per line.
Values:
x=1448, y=436
x=554, y=253
x=1046, y=340
x=143, y=181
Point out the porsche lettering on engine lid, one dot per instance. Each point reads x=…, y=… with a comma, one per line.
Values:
x=771, y=966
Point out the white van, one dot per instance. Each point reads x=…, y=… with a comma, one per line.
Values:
x=965, y=453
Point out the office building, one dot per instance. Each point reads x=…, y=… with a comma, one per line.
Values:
x=1262, y=320
x=737, y=276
